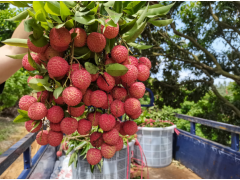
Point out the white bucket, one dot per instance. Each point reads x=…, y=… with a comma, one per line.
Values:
x=157, y=145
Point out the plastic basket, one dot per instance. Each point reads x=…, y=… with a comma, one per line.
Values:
x=114, y=168
x=157, y=145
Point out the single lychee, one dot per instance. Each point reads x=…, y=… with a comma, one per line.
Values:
x=93, y=117
x=94, y=77
x=84, y=127
x=81, y=79
x=119, y=53
x=72, y=96
x=87, y=97
x=81, y=38
x=59, y=153
x=119, y=144
x=76, y=111
x=131, y=60
x=29, y=125
x=94, y=156
x=69, y=125
x=36, y=49
x=60, y=38
x=55, y=138
x=122, y=132
x=59, y=100
x=137, y=90
x=96, y=42
x=145, y=61
x=55, y=126
x=143, y=73
x=117, y=126
x=36, y=76
x=106, y=82
x=27, y=65
x=26, y=101
x=50, y=53
x=135, y=116
x=44, y=96
x=55, y=114
x=42, y=138
x=57, y=67
x=131, y=75
x=108, y=151
x=119, y=93
x=37, y=111
x=132, y=106
x=110, y=31
x=111, y=137
x=117, y=108
x=109, y=102
x=98, y=98
x=130, y=127
x=96, y=139
x=106, y=122
x=109, y=61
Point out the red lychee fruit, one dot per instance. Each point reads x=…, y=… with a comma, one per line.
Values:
x=108, y=151
x=145, y=61
x=143, y=73
x=137, y=90
x=131, y=75
x=94, y=77
x=44, y=96
x=117, y=126
x=55, y=126
x=81, y=79
x=111, y=137
x=93, y=117
x=109, y=61
x=81, y=38
x=69, y=125
x=109, y=102
x=98, y=98
x=119, y=144
x=130, y=127
x=135, y=116
x=106, y=82
x=65, y=146
x=55, y=138
x=59, y=48
x=36, y=49
x=119, y=53
x=42, y=57
x=27, y=65
x=87, y=97
x=55, y=114
x=29, y=125
x=84, y=127
x=106, y=122
x=72, y=96
x=96, y=139
x=117, y=108
x=42, y=138
x=83, y=91
x=131, y=60
x=94, y=156
x=96, y=42
x=60, y=39
x=50, y=53
x=110, y=31
x=118, y=80
x=119, y=93
x=59, y=100
x=36, y=76
x=26, y=101
x=59, y=153
x=57, y=67
x=76, y=111
x=37, y=111
x=75, y=67
x=132, y=106
x=122, y=132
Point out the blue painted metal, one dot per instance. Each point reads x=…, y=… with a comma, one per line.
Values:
x=206, y=158
x=27, y=158
x=151, y=100
x=235, y=141
x=192, y=128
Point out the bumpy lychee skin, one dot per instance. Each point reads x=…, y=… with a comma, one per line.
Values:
x=117, y=126
x=84, y=127
x=30, y=124
x=55, y=126
x=98, y=98
x=119, y=53
x=60, y=38
x=44, y=96
x=96, y=139
x=130, y=127
x=57, y=67
x=27, y=65
x=59, y=153
x=54, y=138
x=36, y=76
x=118, y=80
x=106, y=82
x=131, y=60
x=26, y=101
x=81, y=79
x=109, y=102
x=108, y=151
x=93, y=117
x=94, y=77
x=135, y=116
x=119, y=144
x=119, y=93
x=132, y=106
x=94, y=156
x=69, y=125
x=96, y=42
x=131, y=75
x=81, y=38
x=122, y=132
x=143, y=73
x=59, y=48
x=110, y=31
x=75, y=67
x=55, y=114
x=36, y=49
x=59, y=100
x=50, y=53
x=145, y=61
x=106, y=122
x=109, y=61
x=117, y=108
x=37, y=111
x=137, y=90
x=42, y=138
x=72, y=96
x=111, y=137
x=87, y=97
x=76, y=112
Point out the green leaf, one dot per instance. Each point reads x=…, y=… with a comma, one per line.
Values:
x=57, y=92
x=69, y=24
x=64, y=11
x=92, y=167
x=28, y=25
x=20, y=16
x=57, y=83
x=82, y=143
x=140, y=46
x=94, y=10
x=87, y=19
x=17, y=56
x=79, y=51
x=142, y=16
x=19, y=3
x=118, y=6
x=72, y=157
x=114, y=15
x=112, y=43
x=73, y=35
x=159, y=11
x=56, y=18
x=16, y=42
x=127, y=27
x=91, y=5
x=36, y=123
x=59, y=26
x=160, y=23
x=48, y=88
x=91, y=68
x=31, y=61
x=31, y=13
x=116, y=69
x=70, y=148
x=23, y=113
x=133, y=7
x=102, y=10
x=39, y=42
x=85, y=56
x=111, y=23
x=52, y=7
x=132, y=35
x=20, y=118
x=109, y=4
x=40, y=16
x=70, y=4
x=39, y=5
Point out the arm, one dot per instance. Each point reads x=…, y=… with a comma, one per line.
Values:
x=9, y=66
